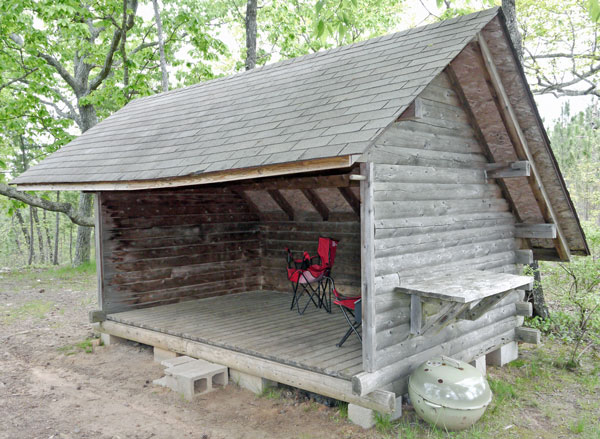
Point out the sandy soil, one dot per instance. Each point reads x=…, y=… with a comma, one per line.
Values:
x=50, y=388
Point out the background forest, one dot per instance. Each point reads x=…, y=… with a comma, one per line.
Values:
x=67, y=64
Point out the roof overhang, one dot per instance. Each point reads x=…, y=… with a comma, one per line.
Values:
x=273, y=170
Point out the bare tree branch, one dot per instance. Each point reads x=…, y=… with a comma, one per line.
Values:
x=54, y=206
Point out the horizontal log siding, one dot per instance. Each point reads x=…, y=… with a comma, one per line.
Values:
x=165, y=246
x=434, y=210
x=304, y=235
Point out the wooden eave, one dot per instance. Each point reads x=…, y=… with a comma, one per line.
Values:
x=281, y=169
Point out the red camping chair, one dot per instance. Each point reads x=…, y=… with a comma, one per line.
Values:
x=351, y=307
x=308, y=275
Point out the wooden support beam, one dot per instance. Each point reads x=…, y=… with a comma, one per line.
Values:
x=367, y=265
x=524, y=257
x=98, y=236
x=527, y=335
x=508, y=170
x=524, y=309
x=282, y=203
x=545, y=254
x=413, y=112
x=351, y=198
x=483, y=306
x=416, y=315
x=96, y=316
x=539, y=231
x=520, y=142
x=380, y=400
x=314, y=182
x=317, y=203
x=301, y=166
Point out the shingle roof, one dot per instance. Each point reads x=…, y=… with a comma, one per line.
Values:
x=327, y=104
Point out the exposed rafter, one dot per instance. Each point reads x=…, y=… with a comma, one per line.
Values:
x=282, y=203
x=317, y=203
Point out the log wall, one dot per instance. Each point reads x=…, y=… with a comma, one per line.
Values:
x=434, y=210
x=165, y=246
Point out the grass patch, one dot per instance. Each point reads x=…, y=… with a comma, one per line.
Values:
x=82, y=346
x=502, y=390
x=51, y=272
x=383, y=423
x=342, y=409
x=270, y=393
x=577, y=426
x=36, y=309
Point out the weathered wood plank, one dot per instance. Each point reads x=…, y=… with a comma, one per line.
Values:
x=465, y=287
x=508, y=170
x=528, y=335
x=539, y=231
x=367, y=238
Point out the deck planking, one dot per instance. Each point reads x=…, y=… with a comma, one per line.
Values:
x=258, y=323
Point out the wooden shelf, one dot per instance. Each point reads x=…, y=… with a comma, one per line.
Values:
x=468, y=295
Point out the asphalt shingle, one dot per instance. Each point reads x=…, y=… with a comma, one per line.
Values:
x=326, y=104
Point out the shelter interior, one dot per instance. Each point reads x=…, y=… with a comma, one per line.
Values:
x=168, y=254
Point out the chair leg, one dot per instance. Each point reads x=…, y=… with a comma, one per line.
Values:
x=353, y=328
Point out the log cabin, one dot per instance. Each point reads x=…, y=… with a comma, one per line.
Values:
x=421, y=151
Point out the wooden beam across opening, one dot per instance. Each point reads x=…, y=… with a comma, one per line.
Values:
x=298, y=167
x=536, y=231
x=351, y=199
x=317, y=203
x=282, y=203
x=520, y=142
x=508, y=170
x=314, y=182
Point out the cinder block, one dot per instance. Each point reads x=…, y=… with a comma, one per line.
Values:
x=365, y=417
x=197, y=377
x=250, y=382
x=161, y=354
x=504, y=355
x=108, y=339
x=361, y=416
x=479, y=364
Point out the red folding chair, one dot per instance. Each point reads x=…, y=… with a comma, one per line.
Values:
x=309, y=275
x=351, y=307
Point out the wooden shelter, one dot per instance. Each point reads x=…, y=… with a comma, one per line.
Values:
x=421, y=151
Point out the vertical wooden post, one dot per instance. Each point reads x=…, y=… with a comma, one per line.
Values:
x=367, y=264
x=98, y=240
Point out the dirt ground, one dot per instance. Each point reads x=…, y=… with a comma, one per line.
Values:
x=54, y=384
x=51, y=388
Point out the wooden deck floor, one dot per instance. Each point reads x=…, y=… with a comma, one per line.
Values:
x=258, y=323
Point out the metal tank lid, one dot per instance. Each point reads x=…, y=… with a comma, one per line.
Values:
x=451, y=383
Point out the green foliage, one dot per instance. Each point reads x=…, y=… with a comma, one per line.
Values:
x=576, y=288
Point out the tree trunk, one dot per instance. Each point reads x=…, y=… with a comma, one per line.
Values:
x=536, y=297
x=56, y=232
x=161, y=47
x=47, y=233
x=38, y=229
x=16, y=232
x=251, y=30
x=84, y=234
x=31, y=239
x=510, y=13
